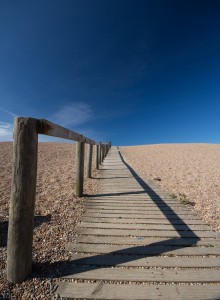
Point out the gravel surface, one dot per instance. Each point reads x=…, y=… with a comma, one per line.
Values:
x=190, y=172
x=56, y=214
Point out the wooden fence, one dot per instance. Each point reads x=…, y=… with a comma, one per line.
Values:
x=24, y=176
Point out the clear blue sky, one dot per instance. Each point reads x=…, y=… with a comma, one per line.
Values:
x=133, y=72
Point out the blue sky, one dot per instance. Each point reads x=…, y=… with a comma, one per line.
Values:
x=133, y=72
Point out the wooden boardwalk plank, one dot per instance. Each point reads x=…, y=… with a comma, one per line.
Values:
x=139, y=216
x=141, y=236
x=146, y=208
x=146, y=226
x=130, y=202
x=145, y=212
x=142, y=275
x=139, y=205
x=149, y=233
x=137, y=292
x=142, y=221
x=147, y=241
x=137, y=261
x=129, y=198
x=143, y=250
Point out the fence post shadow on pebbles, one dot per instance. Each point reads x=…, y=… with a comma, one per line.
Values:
x=24, y=176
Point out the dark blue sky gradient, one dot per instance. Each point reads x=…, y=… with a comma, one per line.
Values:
x=133, y=72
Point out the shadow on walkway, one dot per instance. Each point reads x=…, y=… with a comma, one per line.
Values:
x=127, y=254
x=187, y=238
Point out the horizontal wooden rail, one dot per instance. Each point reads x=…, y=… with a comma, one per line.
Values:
x=24, y=177
x=51, y=129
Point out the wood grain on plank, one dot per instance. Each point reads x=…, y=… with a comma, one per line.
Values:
x=137, y=261
x=150, y=212
x=102, y=290
x=142, y=221
x=139, y=216
x=149, y=233
x=147, y=241
x=129, y=202
x=132, y=204
x=147, y=226
x=148, y=208
x=142, y=275
x=51, y=129
x=143, y=250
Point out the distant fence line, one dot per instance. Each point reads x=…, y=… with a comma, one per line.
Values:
x=24, y=177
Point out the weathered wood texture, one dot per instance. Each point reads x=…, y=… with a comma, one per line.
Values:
x=128, y=203
x=142, y=261
x=141, y=221
x=144, y=209
x=80, y=151
x=102, y=290
x=171, y=227
x=140, y=213
x=22, y=203
x=155, y=249
x=145, y=233
x=48, y=128
x=100, y=153
x=144, y=275
x=139, y=236
x=138, y=216
x=89, y=161
x=128, y=240
x=97, y=157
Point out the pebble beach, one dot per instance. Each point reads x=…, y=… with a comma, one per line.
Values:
x=188, y=172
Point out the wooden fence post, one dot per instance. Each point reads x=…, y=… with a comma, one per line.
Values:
x=100, y=154
x=103, y=152
x=22, y=202
x=80, y=149
x=102, y=157
x=97, y=157
x=89, y=162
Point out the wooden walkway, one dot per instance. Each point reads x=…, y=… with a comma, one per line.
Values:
x=136, y=242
